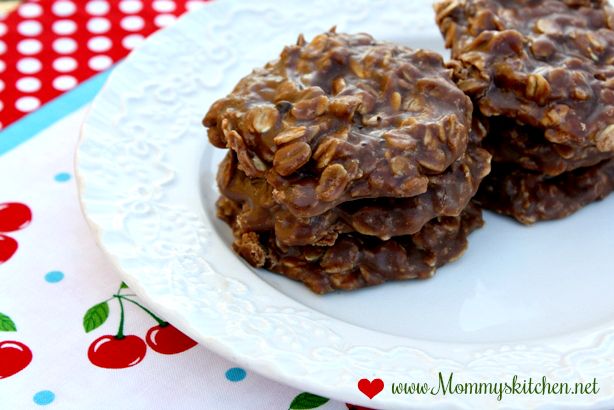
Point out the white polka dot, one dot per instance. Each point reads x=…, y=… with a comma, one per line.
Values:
x=30, y=10
x=132, y=41
x=2, y=29
x=29, y=47
x=130, y=6
x=194, y=5
x=64, y=27
x=64, y=64
x=3, y=47
x=163, y=6
x=99, y=44
x=63, y=8
x=64, y=45
x=27, y=104
x=98, y=25
x=29, y=28
x=163, y=20
x=2, y=66
x=132, y=23
x=99, y=63
x=28, y=84
x=29, y=65
x=97, y=7
x=64, y=82
x=1, y=85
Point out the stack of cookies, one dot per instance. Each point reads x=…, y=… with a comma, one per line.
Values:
x=351, y=162
x=542, y=75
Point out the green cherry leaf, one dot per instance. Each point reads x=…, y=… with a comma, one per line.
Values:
x=123, y=286
x=6, y=324
x=95, y=316
x=307, y=401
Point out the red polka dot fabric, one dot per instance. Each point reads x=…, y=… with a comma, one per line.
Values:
x=49, y=47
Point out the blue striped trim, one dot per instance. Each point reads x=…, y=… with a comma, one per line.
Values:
x=56, y=109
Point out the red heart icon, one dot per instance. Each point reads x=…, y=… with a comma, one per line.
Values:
x=371, y=388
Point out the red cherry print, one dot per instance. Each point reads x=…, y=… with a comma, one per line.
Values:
x=14, y=357
x=8, y=246
x=110, y=352
x=14, y=216
x=355, y=407
x=166, y=339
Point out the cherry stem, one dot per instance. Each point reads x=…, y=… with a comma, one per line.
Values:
x=161, y=322
x=120, y=332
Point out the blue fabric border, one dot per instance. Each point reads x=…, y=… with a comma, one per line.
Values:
x=56, y=109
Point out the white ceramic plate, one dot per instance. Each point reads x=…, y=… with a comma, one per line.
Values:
x=527, y=301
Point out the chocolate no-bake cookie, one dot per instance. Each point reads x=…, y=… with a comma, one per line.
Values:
x=447, y=195
x=542, y=75
x=526, y=146
x=548, y=64
x=530, y=197
x=351, y=162
x=355, y=260
x=343, y=118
